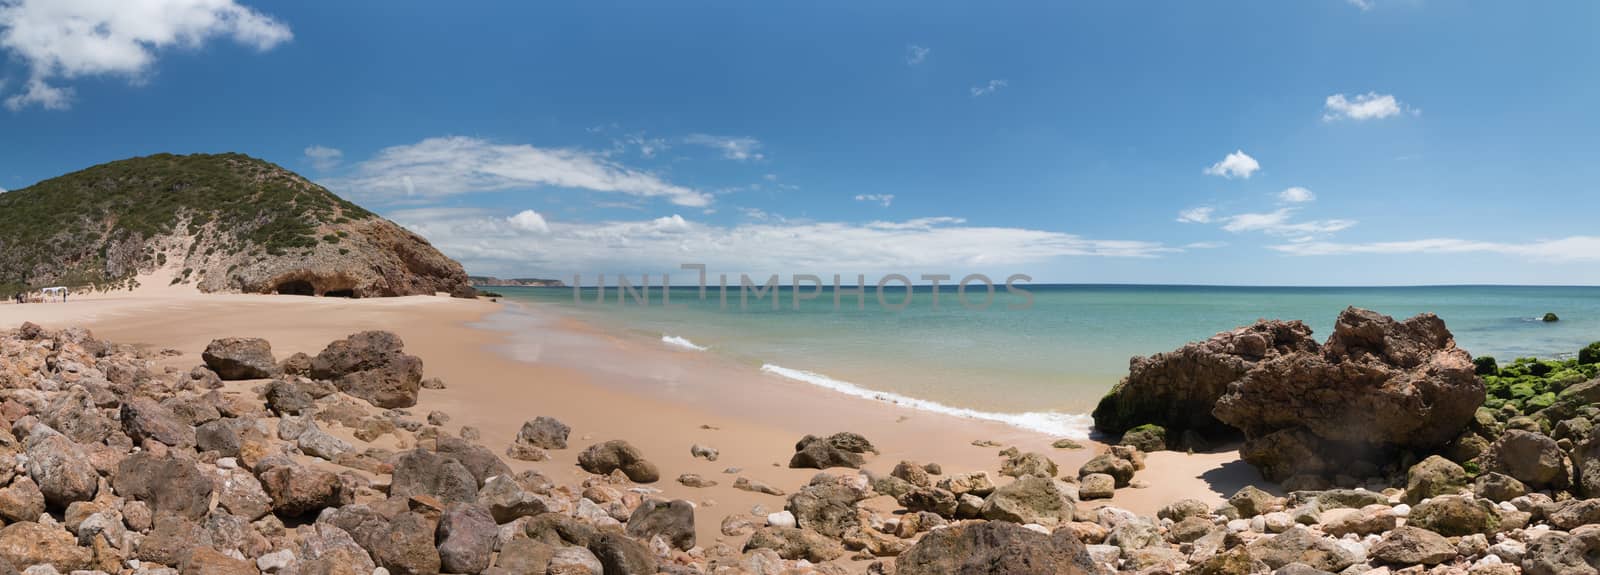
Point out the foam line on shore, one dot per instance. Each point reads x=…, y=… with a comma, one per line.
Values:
x=1075, y=426
x=681, y=343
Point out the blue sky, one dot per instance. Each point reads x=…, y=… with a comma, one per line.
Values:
x=1324, y=142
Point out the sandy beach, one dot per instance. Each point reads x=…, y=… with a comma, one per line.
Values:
x=495, y=383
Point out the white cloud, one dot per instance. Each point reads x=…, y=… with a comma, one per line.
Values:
x=733, y=148
x=1296, y=195
x=489, y=244
x=1235, y=165
x=447, y=166
x=884, y=199
x=68, y=39
x=529, y=221
x=1569, y=249
x=648, y=147
x=1368, y=106
x=990, y=88
x=1279, y=223
x=2, y=190
x=1364, y=5
x=1205, y=245
x=916, y=54
x=324, y=158
x=1200, y=215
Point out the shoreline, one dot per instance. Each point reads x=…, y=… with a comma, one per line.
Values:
x=752, y=420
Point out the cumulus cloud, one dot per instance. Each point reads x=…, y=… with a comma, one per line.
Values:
x=1280, y=223
x=989, y=88
x=1569, y=249
x=916, y=54
x=884, y=199
x=324, y=158
x=732, y=147
x=438, y=167
x=1368, y=106
x=66, y=39
x=1200, y=215
x=529, y=221
x=1296, y=195
x=491, y=244
x=1235, y=165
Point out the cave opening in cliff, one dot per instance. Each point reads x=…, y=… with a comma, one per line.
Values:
x=296, y=287
x=349, y=293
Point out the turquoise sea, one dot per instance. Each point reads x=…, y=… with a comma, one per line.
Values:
x=1045, y=366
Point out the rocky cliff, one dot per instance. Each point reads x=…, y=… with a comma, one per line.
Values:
x=224, y=223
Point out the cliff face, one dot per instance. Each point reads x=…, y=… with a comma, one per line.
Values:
x=229, y=222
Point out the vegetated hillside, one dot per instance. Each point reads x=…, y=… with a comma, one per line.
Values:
x=229, y=222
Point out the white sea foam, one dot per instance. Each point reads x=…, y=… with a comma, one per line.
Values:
x=1075, y=426
x=680, y=342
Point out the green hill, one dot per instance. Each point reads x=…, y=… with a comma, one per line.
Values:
x=223, y=222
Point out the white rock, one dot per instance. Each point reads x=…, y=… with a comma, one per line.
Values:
x=1402, y=510
x=1509, y=550
x=781, y=519
x=1238, y=525
x=227, y=463
x=1036, y=527
x=1277, y=521
x=275, y=561
x=1104, y=554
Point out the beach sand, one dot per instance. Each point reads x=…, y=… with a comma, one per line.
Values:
x=497, y=380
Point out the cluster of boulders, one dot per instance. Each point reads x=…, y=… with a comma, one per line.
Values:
x=111, y=464
x=1377, y=391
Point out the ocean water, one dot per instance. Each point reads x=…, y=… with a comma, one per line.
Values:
x=1042, y=367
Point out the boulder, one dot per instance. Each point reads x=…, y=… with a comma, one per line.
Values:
x=524, y=555
x=1432, y=477
x=30, y=544
x=827, y=507
x=1377, y=386
x=794, y=543
x=371, y=365
x=466, y=538
x=1148, y=438
x=507, y=500
x=1559, y=553
x=297, y=491
x=406, y=547
x=167, y=484
x=423, y=472
x=1177, y=390
x=60, y=468
x=143, y=418
x=1300, y=545
x=603, y=458
x=1455, y=516
x=1121, y=470
x=21, y=501
x=1412, y=546
x=544, y=432
x=995, y=548
x=1498, y=487
x=620, y=554
x=236, y=358
x=1029, y=464
x=203, y=560
x=1029, y=499
x=1532, y=458
x=1096, y=486
x=672, y=520
x=838, y=450
x=288, y=398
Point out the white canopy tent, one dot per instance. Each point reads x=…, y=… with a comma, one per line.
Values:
x=58, y=291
